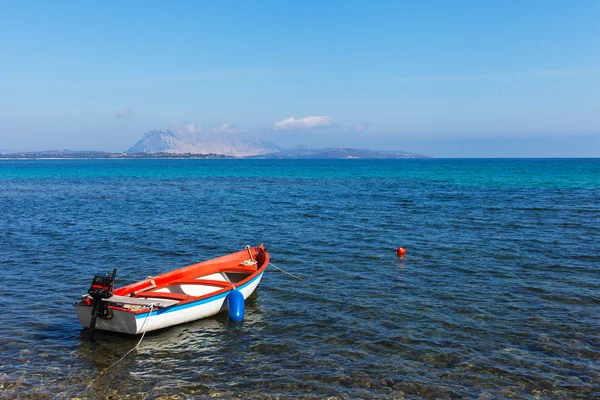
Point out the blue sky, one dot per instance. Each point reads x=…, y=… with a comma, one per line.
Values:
x=450, y=79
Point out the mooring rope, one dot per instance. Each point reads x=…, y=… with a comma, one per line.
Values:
x=152, y=305
x=284, y=271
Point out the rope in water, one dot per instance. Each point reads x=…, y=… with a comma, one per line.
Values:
x=285, y=272
x=152, y=305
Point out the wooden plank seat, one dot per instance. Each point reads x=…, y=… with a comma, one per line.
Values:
x=164, y=295
x=208, y=282
x=243, y=268
x=239, y=269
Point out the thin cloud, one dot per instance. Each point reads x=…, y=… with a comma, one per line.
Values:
x=227, y=128
x=124, y=113
x=193, y=128
x=503, y=76
x=303, y=123
x=362, y=127
x=202, y=76
x=203, y=129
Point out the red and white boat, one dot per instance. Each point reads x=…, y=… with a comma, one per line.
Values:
x=186, y=294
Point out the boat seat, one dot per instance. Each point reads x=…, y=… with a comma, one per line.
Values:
x=208, y=282
x=240, y=269
x=139, y=302
x=163, y=295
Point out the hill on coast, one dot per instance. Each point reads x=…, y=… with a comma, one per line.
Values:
x=167, y=141
x=339, y=152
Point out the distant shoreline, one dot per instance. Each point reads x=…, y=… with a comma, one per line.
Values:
x=332, y=154
x=107, y=156
x=180, y=157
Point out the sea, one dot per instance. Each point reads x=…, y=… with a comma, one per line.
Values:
x=498, y=295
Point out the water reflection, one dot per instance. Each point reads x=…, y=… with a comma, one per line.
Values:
x=182, y=352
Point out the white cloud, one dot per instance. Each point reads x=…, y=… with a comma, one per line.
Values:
x=303, y=123
x=124, y=113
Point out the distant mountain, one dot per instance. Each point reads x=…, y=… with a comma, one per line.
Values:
x=167, y=144
x=338, y=152
x=166, y=141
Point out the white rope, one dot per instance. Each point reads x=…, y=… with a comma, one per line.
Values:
x=152, y=305
x=285, y=272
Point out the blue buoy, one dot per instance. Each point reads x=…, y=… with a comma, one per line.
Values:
x=236, y=305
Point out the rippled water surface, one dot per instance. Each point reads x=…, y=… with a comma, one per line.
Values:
x=498, y=296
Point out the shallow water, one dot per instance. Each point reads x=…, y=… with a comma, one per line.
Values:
x=498, y=296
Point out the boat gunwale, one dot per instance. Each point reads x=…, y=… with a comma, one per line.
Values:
x=188, y=269
x=190, y=303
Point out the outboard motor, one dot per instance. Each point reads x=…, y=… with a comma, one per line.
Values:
x=102, y=287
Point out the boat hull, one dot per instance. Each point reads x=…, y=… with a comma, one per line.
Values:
x=136, y=323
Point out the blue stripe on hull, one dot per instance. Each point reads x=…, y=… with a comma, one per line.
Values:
x=196, y=303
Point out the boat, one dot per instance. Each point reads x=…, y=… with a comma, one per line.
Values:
x=187, y=294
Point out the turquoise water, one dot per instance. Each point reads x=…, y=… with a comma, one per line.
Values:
x=498, y=296
x=509, y=173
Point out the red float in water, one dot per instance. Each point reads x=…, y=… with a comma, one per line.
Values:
x=400, y=252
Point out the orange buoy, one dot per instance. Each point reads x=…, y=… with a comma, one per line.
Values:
x=400, y=252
